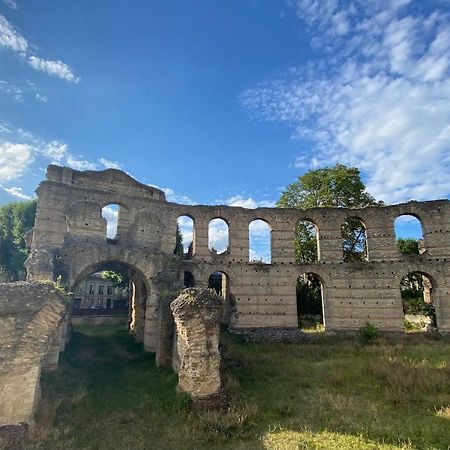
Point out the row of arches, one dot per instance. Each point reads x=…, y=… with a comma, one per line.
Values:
x=408, y=231
x=416, y=290
x=218, y=238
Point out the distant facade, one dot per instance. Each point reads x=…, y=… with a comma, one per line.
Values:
x=98, y=291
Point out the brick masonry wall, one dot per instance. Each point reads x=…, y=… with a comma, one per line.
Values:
x=31, y=315
x=69, y=240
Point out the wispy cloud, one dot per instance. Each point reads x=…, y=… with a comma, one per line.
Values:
x=53, y=68
x=218, y=238
x=11, y=89
x=17, y=192
x=19, y=149
x=107, y=164
x=376, y=95
x=40, y=98
x=11, y=39
x=14, y=160
x=10, y=4
x=249, y=202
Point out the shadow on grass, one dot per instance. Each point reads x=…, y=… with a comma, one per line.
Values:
x=108, y=394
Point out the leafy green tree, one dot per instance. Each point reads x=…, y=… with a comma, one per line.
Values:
x=408, y=246
x=337, y=186
x=16, y=219
x=119, y=281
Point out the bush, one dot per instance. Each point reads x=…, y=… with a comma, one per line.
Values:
x=368, y=333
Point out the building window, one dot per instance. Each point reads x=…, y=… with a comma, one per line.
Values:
x=100, y=290
x=91, y=289
x=109, y=290
x=77, y=303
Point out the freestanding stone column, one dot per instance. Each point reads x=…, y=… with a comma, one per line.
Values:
x=197, y=313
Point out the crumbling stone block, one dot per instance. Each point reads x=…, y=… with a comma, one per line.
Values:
x=197, y=313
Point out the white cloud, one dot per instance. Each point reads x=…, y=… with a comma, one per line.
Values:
x=18, y=192
x=11, y=89
x=10, y=38
x=10, y=4
x=249, y=202
x=174, y=197
x=111, y=214
x=259, y=241
x=40, y=98
x=19, y=148
x=14, y=159
x=53, y=68
x=377, y=98
x=186, y=227
x=218, y=235
x=79, y=163
x=107, y=164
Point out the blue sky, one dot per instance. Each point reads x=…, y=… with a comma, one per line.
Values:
x=227, y=101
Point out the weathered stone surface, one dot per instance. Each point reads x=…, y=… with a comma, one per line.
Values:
x=31, y=319
x=197, y=313
x=69, y=240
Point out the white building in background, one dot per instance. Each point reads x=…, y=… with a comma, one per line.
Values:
x=99, y=292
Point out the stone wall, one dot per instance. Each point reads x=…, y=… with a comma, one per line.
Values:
x=69, y=240
x=32, y=333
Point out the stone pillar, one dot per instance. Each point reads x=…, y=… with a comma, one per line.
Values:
x=238, y=235
x=164, y=344
x=197, y=313
x=201, y=239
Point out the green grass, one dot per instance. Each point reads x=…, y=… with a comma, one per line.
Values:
x=336, y=394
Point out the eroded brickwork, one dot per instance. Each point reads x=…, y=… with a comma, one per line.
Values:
x=197, y=313
x=69, y=240
x=32, y=334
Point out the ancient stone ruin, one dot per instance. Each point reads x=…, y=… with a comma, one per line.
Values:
x=69, y=242
x=197, y=314
x=33, y=322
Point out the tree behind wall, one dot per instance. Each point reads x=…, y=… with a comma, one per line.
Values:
x=16, y=219
x=337, y=186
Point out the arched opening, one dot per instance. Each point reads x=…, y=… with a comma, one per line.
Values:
x=220, y=282
x=306, y=242
x=409, y=235
x=416, y=290
x=218, y=236
x=260, y=250
x=310, y=308
x=185, y=237
x=188, y=279
x=111, y=214
x=124, y=285
x=354, y=240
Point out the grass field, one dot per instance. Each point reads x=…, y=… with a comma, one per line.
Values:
x=336, y=394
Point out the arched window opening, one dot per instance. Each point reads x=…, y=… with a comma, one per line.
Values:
x=409, y=235
x=185, y=237
x=310, y=303
x=111, y=214
x=354, y=244
x=416, y=290
x=260, y=242
x=218, y=239
x=188, y=280
x=306, y=242
x=220, y=282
